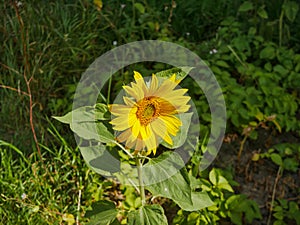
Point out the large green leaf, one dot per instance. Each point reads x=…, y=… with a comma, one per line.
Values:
x=93, y=131
x=100, y=159
x=85, y=114
x=88, y=123
x=167, y=177
x=102, y=213
x=181, y=136
x=148, y=215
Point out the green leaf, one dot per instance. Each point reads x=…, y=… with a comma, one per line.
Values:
x=200, y=200
x=253, y=135
x=267, y=53
x=180, y=72
x=260, y=116
x=100, y=159
x=103, y=213
x=280, y=69
x=177, y=186
x=236, y=217
x=219, y=181
x=166, y=176
x=279, y=222
x=193, y=218
x=87, y=123
x=85, y=114
x=213, y=177
x=276, y=158
x=246, y=6
x=93, y=131
x=239, y=205
x=262, y=12
x=148, y=215
x=291, y=9
x=291, y=164
x=251, y=210
x=252, y=31
x=268, y=67
x=222, y=63
x=181, y=136
x=139, y=7
x=294, y=80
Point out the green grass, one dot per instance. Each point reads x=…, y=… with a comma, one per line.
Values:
x=41, y=193
x=60, y=40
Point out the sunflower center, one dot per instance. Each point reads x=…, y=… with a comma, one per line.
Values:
x=148, y=110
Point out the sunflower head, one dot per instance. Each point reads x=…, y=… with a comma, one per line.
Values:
x=149, y=113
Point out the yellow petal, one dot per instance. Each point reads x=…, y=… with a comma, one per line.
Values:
x=117, y=109
x=136, y=128
x=153, y=85
x=121, y=123
x=183, y=109
x=173, y=79
x=139, y=145
x=137, y=75
x=159, y=128
x=176, y=93
x=151, y=140
x=130, y=143
x=166, y=87
x=154, y=151
x=128, y=101
x=166, y=108
x=172, y=123
x=140, y=81
x=139, y=91
x=145, y=133
x=124, y=135
x=132, y=91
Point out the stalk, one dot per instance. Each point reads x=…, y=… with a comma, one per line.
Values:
x=141, y=185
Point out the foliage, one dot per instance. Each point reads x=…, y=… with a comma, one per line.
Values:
x=259, y=78
x=285, y=211
x=252, y=48
x=284, y=155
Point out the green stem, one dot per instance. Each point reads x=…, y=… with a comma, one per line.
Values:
x=280, y=27
x=141, y=185
x=124, y=149
x=109, y=90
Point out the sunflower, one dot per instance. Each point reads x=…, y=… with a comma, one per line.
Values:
x=148, y=114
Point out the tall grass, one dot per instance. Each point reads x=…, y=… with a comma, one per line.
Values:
x=57, y=43
x=31, y=195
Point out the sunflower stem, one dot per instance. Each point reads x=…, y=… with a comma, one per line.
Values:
x=124, y=149
x=141, y=185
